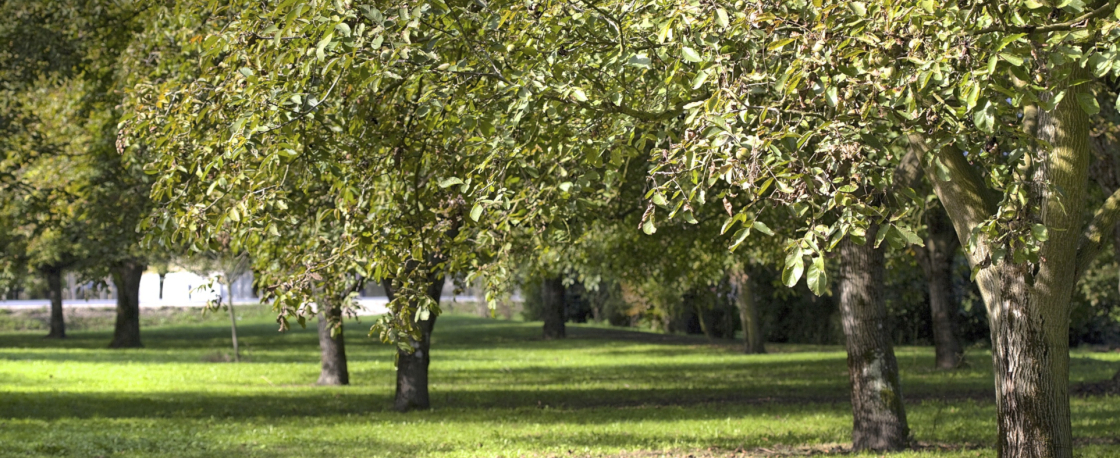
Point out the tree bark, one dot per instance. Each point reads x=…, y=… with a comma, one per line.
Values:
x=742, y=290
x=936, y=259
x=233, y=324
x=126, y=278
x=332, y=349
x=412, y=367
x=552, y=299
x=877, y=409
x=54, y=284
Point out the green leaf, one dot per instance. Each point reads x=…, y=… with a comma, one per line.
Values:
x=721, y=17
x=859, y=8
x=648, y=227
x=448, y=182
x=639, y=60
x=659, y=199
x=1040, y=233
x=778, y=44
x=910, y=237
x=763, y=228
x=985, y=118
x=795, y=266
x=740, y=237
x=476, y=212
x=832, y=96
x=234, y=215
x=579, y=95
x=1088, y=103
x=816, y=277
x=690, y=55
x=1012, y=59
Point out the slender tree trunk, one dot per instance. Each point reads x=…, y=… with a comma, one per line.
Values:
x=936, y=259
x=162, y=276
x=332, y=349
x=552, y=299
x=54, y=283
x=742, y=289
x=233, y=324
x=877, y=409
x=412, y=367
x=126, y=278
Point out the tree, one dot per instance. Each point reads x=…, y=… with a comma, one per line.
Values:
x=936, y=259
x=419, y=192
x=77, y=201
x=995, y=100
x=229, y=265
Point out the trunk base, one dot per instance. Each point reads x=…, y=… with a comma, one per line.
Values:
x=332, y=352
x=126, y=278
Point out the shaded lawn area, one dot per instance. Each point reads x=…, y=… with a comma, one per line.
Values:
x=497, y=390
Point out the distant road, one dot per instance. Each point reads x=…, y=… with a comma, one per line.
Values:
x=370, y=305
x=184, y=289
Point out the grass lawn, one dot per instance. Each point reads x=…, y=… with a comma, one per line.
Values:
x=497, y=391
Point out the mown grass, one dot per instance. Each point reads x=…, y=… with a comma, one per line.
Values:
x=497, y=389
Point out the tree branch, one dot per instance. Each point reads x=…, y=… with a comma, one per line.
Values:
x=648, y=116
x=1094, y=239
x=966, y=198
x=1059, y=27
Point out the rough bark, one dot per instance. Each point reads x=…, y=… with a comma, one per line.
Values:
x=742, y=291
x=877, y=409
x=936, y=259
x=233, y=324
x=332, y=348
x=54, y=284
x=412, y=367
x=126, y=278
x=552, y=300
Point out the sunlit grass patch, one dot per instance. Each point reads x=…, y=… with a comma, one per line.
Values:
x=497, y=390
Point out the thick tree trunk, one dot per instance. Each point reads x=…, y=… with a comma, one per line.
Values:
x=552, y=299
x=743, y=293
x=54, y=284
x=233, y=324
x=126, y=278
x=877, y=409
x=332, y=349
x=412, y=367
x=936, y=259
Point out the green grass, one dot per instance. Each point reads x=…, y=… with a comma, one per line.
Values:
x=497, y=390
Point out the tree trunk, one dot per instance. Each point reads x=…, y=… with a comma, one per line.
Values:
x=877, y=410
x=162, y=276
x=742, y=290
x=54, y=283
x=126, y=278
x=552, y=299
x=412, y=367
x=936, y=259
x=1029, y=303
x=233, y=324
x=332, y=349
